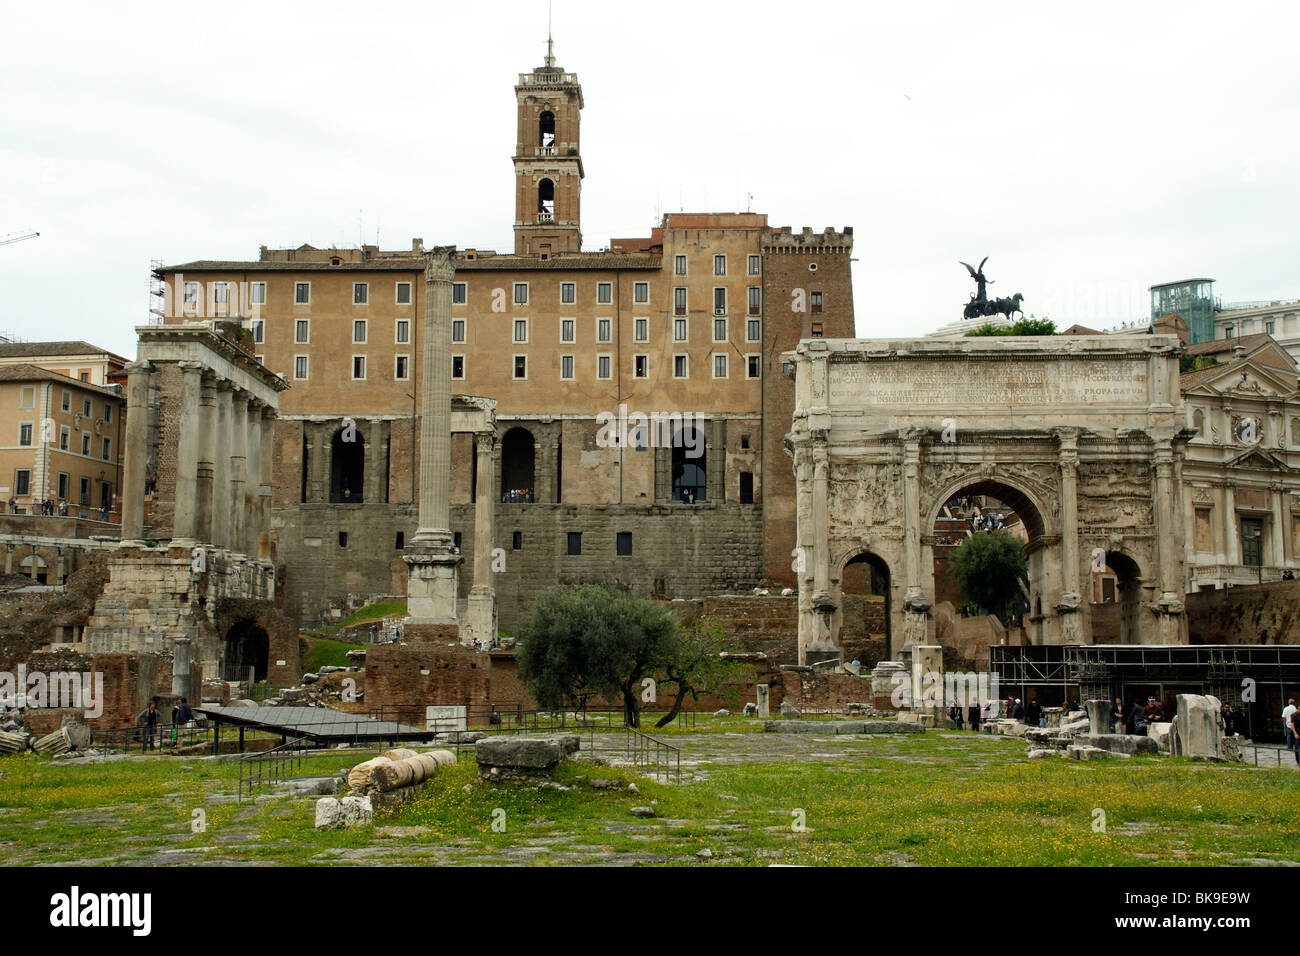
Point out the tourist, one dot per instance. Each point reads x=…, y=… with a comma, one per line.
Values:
x=1294, y=729
x=148, y=722
x=181, y=715
x=1288, y=575
x=13, y=505
x=1034, y=713
x=973, y=716
x=1018, y=712
x=1008, y=707
x=1137, y=719
x=954, y=712
x=1117, y=715
x=1152, y=712
x=1287, y=711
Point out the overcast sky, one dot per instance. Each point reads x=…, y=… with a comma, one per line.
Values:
x=1089, y=150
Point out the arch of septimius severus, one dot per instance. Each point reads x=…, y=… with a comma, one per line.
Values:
x=1083, y=437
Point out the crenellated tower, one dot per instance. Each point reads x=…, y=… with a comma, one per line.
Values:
x=548, y=161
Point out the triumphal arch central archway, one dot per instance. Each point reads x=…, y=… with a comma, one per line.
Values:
x=1083, y=436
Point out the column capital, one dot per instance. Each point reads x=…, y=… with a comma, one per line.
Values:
x=225, y=385
x=440, y=264
x=188, y=366
x=269, y=412
x=135, y=368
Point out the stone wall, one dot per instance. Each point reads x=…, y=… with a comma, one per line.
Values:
x=29, y=621
x=130, y=680
x=407, y=679
x=1256, y=614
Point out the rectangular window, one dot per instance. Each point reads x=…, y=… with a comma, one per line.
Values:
x=719, y=265
x=67, y=402
x=623, y=544
x=402, y=366
x=359, y=332
x=404, y=330
x=521, y=366
x=679, y=301
x=753, y=330
x=459, y=292
x=521, y=331
x=457, y=330
x=641, y=330
x=360, y=293
x=566, y=367
x=679, y=265
x=300, y=366
x=191, y=293
x=746, y=487
x=816, y=330
x=604, y=366
x=220, y=293
x=22, y=482
x=720, y=301
x=108, y=413
x=679, y=366
x=575, y=542
x=604, y=292
x=403, y=293
x=65, y=483
x=85, y=408
x=568, y=293
x=521, y=293
x=1268, y=327
x=358, y=367
x=301, y=293
x=302, y=331
x=400, y=543
x=458, y=366
x=25, y=434
x=106, y=448
x=679, y=330
x=641, y=366
x=85, y=444
x=753, y=367
x=83, y=376
x=816, y=301
x=568, y=330
x=604, y=330
x=517, y=541
x=754, y=265
x=641, y=292
x=719, y=330
x=83, y=492
x=27, y=397
x=258, y=327
x=64, y=436
x=719, y=366
x=755, y=300
x=257, y=293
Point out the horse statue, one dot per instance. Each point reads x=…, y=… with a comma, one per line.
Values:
x=1008, y=306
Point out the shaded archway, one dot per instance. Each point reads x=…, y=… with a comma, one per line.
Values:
x=690, y=465
x=347, y=466
x=864, y=574
x=518, y=461
x=247, y=646
x=546, y=201
x=546, y=129
x=1123, y=624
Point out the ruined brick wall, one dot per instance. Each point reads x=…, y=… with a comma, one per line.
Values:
x=408, y=679
x=1256, y=614
x=130, y=681
x=29, y=621
x=281, y=633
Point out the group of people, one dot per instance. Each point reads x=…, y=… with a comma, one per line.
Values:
x=50, y=508
x=974, y=715
x=987, y=522
x=150, y=735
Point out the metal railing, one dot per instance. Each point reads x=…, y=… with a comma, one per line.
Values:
x=158, y=738
x=655, y=757
x=1272, y=755
x=269, y=766
x=494, y=720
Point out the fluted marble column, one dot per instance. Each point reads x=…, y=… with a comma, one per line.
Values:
x=185, y=520
x=482, y=596
x=221, y=484
x=265, y=480
x=251, y=506
x=1071, y=592
x=137, y=451
x=238, y=466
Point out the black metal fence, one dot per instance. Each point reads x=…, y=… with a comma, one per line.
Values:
x=145, y=739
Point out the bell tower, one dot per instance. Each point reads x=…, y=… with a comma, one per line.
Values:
x=548, y=163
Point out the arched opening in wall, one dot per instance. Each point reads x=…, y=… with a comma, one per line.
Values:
x=865, y=629
x=42, y=569
x=246, y=646
x=348, y=468
x=989, y=506
x=546, y=129
x=1119, y=619
x=1198, y=422
x=690, y=465
x=518, y=460
x=546, y=201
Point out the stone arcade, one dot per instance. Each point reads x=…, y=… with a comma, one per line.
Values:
x=1083, y=437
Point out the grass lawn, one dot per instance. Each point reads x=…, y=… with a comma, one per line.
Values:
x=937, y=798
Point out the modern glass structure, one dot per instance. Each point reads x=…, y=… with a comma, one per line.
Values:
x=1193, y=299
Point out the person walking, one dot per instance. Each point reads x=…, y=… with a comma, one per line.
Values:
x=1117, y=715
x=148, y=721
x=973, y=716
x=1287, y=711
x=1294, y=727
x=1136, y=718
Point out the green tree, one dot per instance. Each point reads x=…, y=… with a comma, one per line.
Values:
x=695, y=664
x=989, y=567
x=1032, y=325
x=591, y=639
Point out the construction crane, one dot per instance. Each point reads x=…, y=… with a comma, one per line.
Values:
x=17, y=237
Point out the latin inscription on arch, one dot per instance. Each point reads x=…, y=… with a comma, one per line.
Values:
x=910, y=383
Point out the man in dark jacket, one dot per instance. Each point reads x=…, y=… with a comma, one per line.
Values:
x=181, y=715
x=1137, y=720
x=148, y=721
x=973, y=716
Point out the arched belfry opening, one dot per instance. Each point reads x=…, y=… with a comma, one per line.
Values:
x=546, y=201
x=546, y=129
x=690, y=465
x=518, y=464
x=347, y=466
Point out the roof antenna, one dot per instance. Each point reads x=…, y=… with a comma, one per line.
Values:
x=550, y=51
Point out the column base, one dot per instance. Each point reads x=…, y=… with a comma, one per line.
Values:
x=431, y=586
x=482, y=616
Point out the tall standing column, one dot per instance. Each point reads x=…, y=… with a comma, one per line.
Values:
x=432, y=581
x=185, y=520
x=1071, y=592
x=137, y=452
x=207, y=455
x=238, y=466
x=253, y=478
x=1277, y=500
x=1171, y=595
x=221, y=484
x=267, y=461
x=916, y=608
x=482, y=596
x=1231, y=533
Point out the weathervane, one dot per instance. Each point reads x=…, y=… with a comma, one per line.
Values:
x=980, y=304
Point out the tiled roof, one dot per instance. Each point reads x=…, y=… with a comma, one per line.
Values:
x=571, y=263
x=31, y=349
x=386, y=264
x=34, y=373
x=609, y=261
x=1249, y=342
